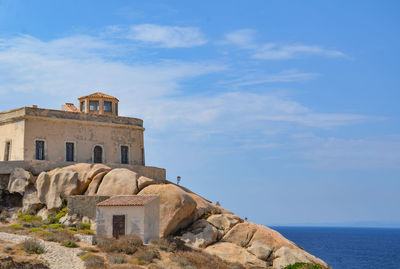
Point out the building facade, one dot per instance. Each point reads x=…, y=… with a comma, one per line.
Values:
x=94, y=133
x=129, y=214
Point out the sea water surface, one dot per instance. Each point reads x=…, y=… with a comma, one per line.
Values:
x=349, y=248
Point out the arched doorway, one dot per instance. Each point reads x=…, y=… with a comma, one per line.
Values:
x=98, y=154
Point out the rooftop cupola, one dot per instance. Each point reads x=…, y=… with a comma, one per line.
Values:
x=99, y=103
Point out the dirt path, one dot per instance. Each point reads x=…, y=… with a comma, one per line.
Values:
x=56, y=256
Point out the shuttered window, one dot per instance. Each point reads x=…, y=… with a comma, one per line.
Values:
x=39, y=150
x=69, y=151
x=124, y=154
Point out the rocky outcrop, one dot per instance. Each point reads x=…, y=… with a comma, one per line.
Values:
x=55, y=185
x=30, y=201
x=224, y=222
x=86, y=173
x=235, y=254
x=119, y=181
x=95, y=183
x=19, y=181
x=143, y=182
x=286, y=256
x=176, y=206
x=200, y=234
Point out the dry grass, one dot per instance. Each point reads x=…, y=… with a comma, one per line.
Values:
x=198, y=259
x=32, y=246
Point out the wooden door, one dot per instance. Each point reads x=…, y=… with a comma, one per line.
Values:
x=118, y=225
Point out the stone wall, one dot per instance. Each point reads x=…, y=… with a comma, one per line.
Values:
x=84, y=205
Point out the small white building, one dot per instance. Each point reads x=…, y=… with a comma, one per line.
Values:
x=129, y=214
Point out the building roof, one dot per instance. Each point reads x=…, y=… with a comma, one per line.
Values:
x=128, y=200
x=69, y=107
x=98, y=95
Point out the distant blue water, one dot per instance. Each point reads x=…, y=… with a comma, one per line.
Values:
x=349, y=248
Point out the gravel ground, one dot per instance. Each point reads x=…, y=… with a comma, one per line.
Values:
x=56, y=256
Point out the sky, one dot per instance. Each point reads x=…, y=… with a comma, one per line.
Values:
x=286, y=112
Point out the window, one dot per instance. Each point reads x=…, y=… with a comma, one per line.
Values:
x=94, y=105
x=7, y=151
x=107, y=106
x=98, y=154
x=69, y=151
x=124, y=154
x=39, y=150
x=83, y=106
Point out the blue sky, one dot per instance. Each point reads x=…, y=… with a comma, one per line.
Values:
x=286, y=112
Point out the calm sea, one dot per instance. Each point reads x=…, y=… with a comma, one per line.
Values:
x=349, y=248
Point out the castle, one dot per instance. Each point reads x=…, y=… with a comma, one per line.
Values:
x=41, y=139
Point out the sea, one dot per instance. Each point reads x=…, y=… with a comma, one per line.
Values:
x=349, y=248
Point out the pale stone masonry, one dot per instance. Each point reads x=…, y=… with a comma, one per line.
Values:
x=94, y=133
x=129, y=214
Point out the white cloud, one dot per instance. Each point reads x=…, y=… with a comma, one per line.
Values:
x=257, y=79
x=245, y=39
x=338, y=153
x=167, y=36
x=59, y=72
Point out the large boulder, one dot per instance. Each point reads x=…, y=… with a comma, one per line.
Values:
x=143, y=182
x=120, y=181
x=56, y=185
x=286, y=256
x=246, y=233
x=19, y=181
x=95, y=183
x=176, y=206
x=261, y=251
x=30, y=201
x=224, y=222
x=203, y=206
x=235, y=254
x=86, y=173
x=200, y=234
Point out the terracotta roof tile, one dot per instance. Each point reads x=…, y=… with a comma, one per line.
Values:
x=128, y=200
x=98, y=95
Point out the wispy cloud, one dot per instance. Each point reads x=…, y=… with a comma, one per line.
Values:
x=245, y=39
x=57, y=72
x=258, y=79
x=339, y=153
x=166, y=36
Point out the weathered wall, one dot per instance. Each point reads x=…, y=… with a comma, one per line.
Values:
x=152, y=220
x=13, y=132
x=86, y=136
x=36, y=167
x=134, y=219
x=84, y=205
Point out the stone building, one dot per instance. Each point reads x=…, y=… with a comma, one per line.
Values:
x=42, y=139
x=129, y=214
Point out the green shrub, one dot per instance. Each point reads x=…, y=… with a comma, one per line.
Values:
x=72, y=229
x=88, y=232
x=29, y=218
x=302, y=265
x=92, y=260
x=116, y=259
x=84, y=226
x=44, y=226
x=69, y=243
x=35, y=230
x=55, y=226
x=61, y=214
x=32, y=246
x=17, y=226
